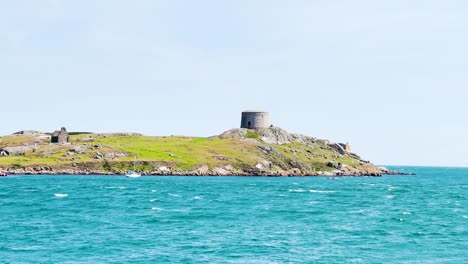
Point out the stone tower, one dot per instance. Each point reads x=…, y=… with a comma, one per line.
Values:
x=255, y=119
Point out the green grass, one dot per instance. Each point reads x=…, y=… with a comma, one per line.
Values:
x=186, y=152
x=179, y=153
x=18, y=140
x=252, y=134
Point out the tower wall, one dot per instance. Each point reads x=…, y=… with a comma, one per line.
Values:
x=255, y=119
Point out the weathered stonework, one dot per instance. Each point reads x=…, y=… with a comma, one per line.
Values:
x=60, y=136
x=255, y=119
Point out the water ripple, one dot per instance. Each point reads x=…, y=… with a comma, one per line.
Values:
x=235, y=219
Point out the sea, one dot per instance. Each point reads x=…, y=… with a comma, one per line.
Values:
x=109, y=219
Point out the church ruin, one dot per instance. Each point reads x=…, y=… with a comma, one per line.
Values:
x=61, y=136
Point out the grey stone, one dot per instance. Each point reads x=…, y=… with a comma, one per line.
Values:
x=17, y=151
x=255, y=119
x=234, y=133
x=332, y=164
x=78, y=149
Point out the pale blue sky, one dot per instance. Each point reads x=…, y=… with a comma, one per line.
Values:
x=390, y=77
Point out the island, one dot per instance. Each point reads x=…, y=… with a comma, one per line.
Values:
x=267, y=151
x=257, y=148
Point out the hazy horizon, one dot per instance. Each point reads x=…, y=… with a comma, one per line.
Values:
x=387, y=77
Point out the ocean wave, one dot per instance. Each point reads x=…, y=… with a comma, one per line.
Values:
x=153, y=200
x=406, y=213
x=157, y=209
x=27, y=248
x=390, y=196
x=174, y=195
x=197, y=198
x=153, y=191
x=115, y=187
x=60, y=195
x=311, y=190
x=360, y=211
x=297, y=190
x=320, y=191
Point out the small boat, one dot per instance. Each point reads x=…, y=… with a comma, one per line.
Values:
x=133, y=173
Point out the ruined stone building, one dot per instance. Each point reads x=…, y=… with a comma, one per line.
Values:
x=60, y=136
x=346, y=147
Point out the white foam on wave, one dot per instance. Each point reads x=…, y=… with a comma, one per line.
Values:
x=295, y=183
x=320, y=191
x=157, y=209
x=153, y=200
x=174, y=195
x=297, y=190
x=406, y=213
x=153, y=191
x=391, y=188
x=27, y=248
x=390, y=196
x=197, y=198
x=465, y=216
x=60, y=195
x=115, y=187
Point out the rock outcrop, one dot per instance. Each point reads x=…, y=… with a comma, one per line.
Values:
x=17, y=151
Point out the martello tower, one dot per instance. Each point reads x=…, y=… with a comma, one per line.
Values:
x=255, y=119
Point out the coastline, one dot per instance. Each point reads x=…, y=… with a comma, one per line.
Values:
x=269, y=152
x=209, y=173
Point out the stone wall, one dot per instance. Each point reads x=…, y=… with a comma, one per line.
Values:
x=255, y=119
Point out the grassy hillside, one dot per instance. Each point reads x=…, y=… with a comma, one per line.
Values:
x=115, y=153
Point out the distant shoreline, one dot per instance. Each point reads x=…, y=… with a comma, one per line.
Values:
x=189, y=174
x=266, y=152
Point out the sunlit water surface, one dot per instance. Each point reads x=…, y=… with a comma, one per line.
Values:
x=102, y=219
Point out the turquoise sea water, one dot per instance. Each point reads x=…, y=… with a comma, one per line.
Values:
x=102, y=219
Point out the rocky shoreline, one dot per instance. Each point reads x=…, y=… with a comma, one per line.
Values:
x=207, y=172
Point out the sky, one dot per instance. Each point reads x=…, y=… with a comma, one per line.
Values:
x=389, y=77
